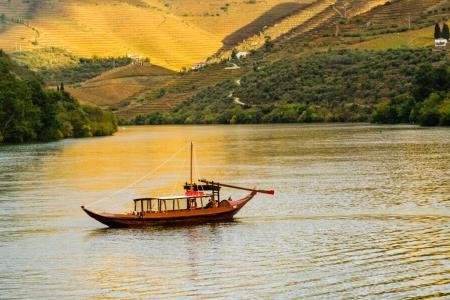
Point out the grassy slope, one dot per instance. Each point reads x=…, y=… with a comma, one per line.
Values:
x=414, y=39
x=382, y=27
x=388, y=26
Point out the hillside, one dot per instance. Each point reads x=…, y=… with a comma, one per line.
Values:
x=399, y=23
x=403, y=85
x=56, y=65
x=115, y=87
x=301, y=46
x=273, y=30
x=317, y=15
x=273, y=16
x=168, y=94
x=413, y=38
x=118, y=28
x=172, y=34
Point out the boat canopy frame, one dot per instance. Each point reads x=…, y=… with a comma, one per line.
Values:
x=146, y=206
x=212, y=186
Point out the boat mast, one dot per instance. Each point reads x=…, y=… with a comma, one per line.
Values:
x=192, y=149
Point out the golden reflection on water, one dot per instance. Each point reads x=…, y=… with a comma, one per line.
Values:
x=360, y=212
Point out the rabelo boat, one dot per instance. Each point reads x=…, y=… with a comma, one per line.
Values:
x=201, y=202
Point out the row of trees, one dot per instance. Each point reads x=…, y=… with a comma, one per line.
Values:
x=55, y=65
x=444, y=33
x=28, y=112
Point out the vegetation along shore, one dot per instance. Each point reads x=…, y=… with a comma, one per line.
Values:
x=30, y=112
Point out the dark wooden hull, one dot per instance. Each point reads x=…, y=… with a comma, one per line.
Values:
x=200, y=215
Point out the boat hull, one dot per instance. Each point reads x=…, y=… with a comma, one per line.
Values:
x=200, y=215
x=137, y=221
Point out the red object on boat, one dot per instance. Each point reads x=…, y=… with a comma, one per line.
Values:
x=194, y=193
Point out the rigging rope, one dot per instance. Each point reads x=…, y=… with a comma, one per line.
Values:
x=138, y=180
x=184, y=164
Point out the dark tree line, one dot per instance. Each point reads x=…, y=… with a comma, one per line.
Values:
x=29, y=112
x=428, y=104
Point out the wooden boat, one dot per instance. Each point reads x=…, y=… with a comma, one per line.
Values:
x=200, y=203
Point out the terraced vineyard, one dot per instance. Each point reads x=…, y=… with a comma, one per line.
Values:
x=118, y=28
x=176, y=90
x=269, y=18
x=312, y=18
x=329, y=17
x=276, y=30
x=173, y=34
x=119, y=86
x=396, y=16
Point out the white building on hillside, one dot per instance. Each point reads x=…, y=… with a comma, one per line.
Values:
x=242, y=54
x=440, y=43
x=198, y=65
x=136, y=59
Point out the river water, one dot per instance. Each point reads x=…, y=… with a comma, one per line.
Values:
x=360, y=211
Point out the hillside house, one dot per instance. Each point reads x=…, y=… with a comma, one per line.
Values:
x=198, y=65
x=136, y=59
x=441, y=43
x=242, y=54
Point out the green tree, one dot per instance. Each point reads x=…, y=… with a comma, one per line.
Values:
x=429, y=79
x=19, y=117
x=437, y=31
x=268, y=44
x=233, y=54
x=445, y=31
x=429, y=113
x=444, y=113
x=28, y=112
x=384, y=113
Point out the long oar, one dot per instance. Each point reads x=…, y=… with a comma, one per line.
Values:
x=269, y=192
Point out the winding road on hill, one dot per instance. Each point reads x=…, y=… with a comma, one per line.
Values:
x=236, y=99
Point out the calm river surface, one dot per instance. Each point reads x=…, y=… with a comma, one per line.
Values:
x=360, y=211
